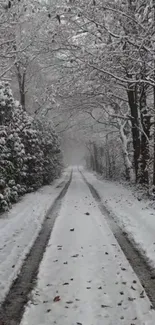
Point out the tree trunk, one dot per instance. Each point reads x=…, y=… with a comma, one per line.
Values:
x=132, y=99
x=144, y=146
x=21, y=76
x=154, y=135
x=154, y=102
x=130, y=176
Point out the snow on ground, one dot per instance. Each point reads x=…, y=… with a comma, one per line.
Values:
x=19, y=229
x=84, y=277
x=136, y=218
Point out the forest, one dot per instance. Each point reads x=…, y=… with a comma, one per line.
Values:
x=83, y=69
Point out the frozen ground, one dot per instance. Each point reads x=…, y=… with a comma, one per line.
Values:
x=19, y=229
x=136, y=218
x=84, y=277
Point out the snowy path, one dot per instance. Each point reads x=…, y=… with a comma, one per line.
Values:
x=19, y=229
x=136, y=218
x=85, y=271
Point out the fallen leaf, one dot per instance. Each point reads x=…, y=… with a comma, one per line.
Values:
x=76, y=255
x=69, y=302
x=88, y=288
x=87, y=213
x=120, y=303
x=48, y=310
x=142, y=294
x=104, y=306
x=65, y=284
x=99, y=288
x=65, y=262
x=72, y=229
x=123, y=268
x=133, y=288
x=56, y=299
x=131, y=299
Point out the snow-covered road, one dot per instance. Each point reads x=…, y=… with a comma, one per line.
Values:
x=19, y=229
x=84, y=277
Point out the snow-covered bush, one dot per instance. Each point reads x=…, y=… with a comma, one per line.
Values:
x=50, y=146
x=30, y=154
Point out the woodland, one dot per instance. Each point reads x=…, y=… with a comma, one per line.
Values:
x=83, y=69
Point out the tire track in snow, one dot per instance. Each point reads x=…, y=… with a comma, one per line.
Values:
x=139, y=263
x=12, y=308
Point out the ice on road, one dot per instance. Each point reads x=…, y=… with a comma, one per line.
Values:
x=84, y=277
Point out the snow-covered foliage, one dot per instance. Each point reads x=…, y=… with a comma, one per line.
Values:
x=30, y=154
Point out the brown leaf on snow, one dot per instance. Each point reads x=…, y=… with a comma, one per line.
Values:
x=131, y=299
x=142, y=294
x=133, y=288
x=105, y=306
x=72, y=229
x=76, y=255
x=120, y=303
x=56, y=299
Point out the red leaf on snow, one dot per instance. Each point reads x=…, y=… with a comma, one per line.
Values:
x=56, y=299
